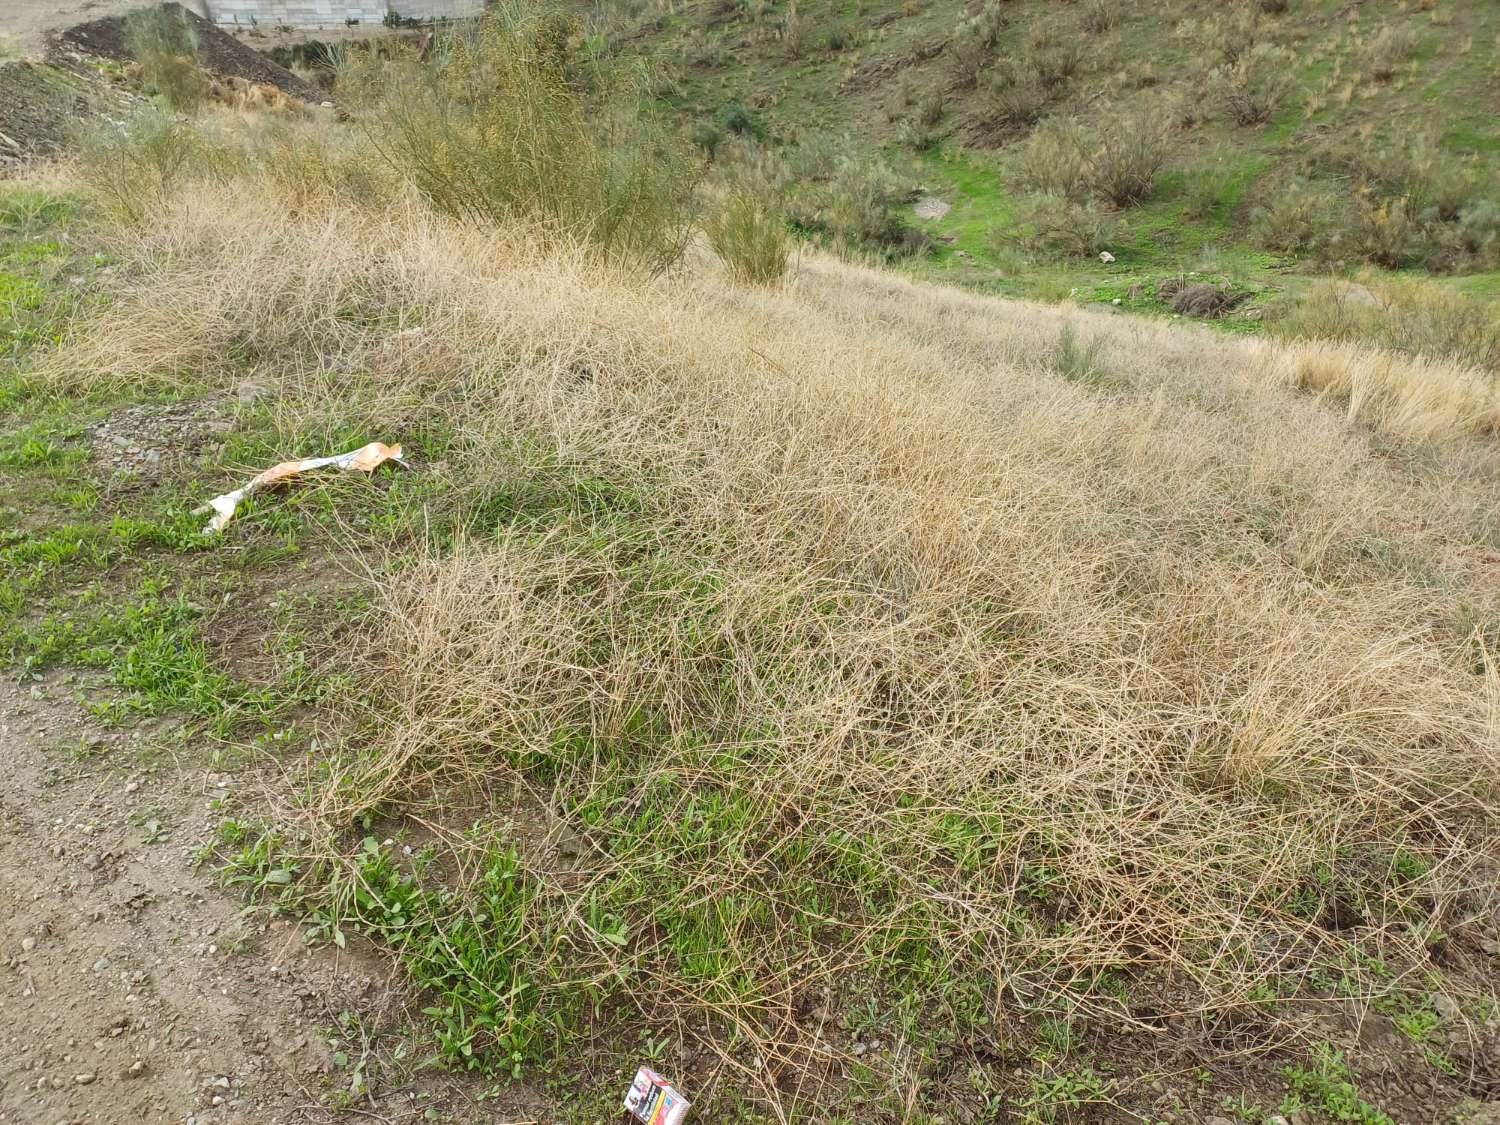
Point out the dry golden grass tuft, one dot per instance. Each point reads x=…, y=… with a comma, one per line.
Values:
x=866, y=649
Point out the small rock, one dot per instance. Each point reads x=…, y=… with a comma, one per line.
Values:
x=1445, y=1005
x=83, y=1079
x=132, y=786
x=28, y=944
x=134, y=1070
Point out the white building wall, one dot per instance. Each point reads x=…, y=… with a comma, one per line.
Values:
x=333, y=13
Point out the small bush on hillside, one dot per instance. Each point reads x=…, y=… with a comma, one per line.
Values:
x=1099, y=16
x=1209, y=184
x=1081, y=363
x=1128, y=159
x=511, y=122
x=1412, y=316
x=163, y=43
x=1420, y=170
x=1227, y=36
x=1382, y=231
x=750, y=237
x=1056, y=61
x=1250, y=90
x=972, y=45
x=1054, y=160
x=132, y=167
x=795, y=33
x=1386, y=50
x=1011, y=97
x=930, y=108
x=862, y=198
x=738, y=120
x=1300, y=219
x=1118, y=164
x=914, y=135
x=1056, y=226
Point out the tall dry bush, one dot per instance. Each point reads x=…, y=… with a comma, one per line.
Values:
x=163, y=42
x=750, y=236
x=517, y=122
x=1249, y=90
x=1117, y=162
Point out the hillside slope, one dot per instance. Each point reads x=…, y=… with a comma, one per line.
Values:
x=880, y=702
x=1283, y=134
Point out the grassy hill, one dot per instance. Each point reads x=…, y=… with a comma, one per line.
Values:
x=1271, y=139
x=865, y=699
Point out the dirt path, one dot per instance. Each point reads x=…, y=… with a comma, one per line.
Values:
x=131, y=990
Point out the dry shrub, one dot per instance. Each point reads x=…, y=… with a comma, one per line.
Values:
x=162, y=41
x=1098, y=16
x=1419, y=318
x=1128, y=158
x=865, y=653
x=1054, y=160
x=973, y=43
x=1301, y=218
x=1054, y=225
x=1386, y=50
x=514, y=122
x=133, y=166
x=1251, y=89
x=1011, y=97
x=1118, y=162
x=750, y=236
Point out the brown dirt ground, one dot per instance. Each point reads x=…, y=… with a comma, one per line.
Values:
x=218, y=52
x=132, y=987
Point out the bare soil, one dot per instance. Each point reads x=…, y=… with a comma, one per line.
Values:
x=132, y=987
x=218, y=52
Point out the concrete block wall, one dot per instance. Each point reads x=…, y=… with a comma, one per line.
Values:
x=314, y=14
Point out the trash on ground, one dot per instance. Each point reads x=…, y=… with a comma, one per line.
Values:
x=367, y=458
x=652, y=1099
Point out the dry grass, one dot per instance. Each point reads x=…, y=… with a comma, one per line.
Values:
x=868, y=653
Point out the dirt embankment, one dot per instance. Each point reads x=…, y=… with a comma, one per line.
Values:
x=218, y=52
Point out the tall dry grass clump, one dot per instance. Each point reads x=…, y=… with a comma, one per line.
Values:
x=163, y=42
x=518, y=121
x=750, y=236
x=862, y=651
x=1412, y=316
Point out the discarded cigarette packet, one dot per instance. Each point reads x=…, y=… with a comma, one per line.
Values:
x=653, y=1100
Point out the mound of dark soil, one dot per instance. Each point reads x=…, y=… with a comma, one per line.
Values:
x=40, y=104
x=219, y=53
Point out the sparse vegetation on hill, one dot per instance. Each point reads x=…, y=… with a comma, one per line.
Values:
x=1263, y=141
x=869, y=700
